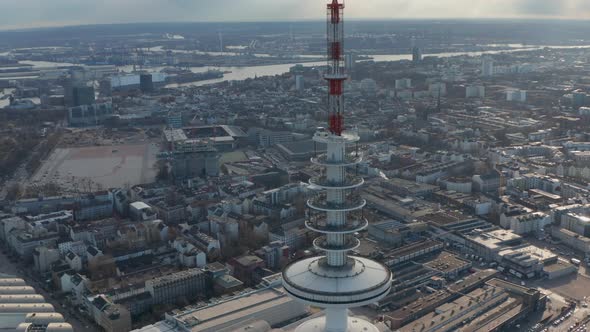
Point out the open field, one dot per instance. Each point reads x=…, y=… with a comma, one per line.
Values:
x=105, y=166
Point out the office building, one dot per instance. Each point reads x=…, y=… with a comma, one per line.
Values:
x=90, y=115
x=170, y=288
x=110, y=316
x=516, y=95
x=98, y=205
x=83, y=95
x=404, y=83
x=416, y=54
x=572, y=239
x=174, y=120
x=190, y=158
x=269, y=138
x=475, y=91
x=267, y=305
x=350, y=60
x=577, y=223
x=274, y=254
x=299, y=83
x=487, y=67
x=146, y=83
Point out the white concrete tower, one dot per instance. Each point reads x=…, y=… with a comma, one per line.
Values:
x=336, y=281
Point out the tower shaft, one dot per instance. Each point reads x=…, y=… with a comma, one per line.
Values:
x=336, y=281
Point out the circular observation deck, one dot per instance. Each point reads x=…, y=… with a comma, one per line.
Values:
x=351, y=203
x=354, y=325
x=350, y=159
x=337, y=76
x=360, y=282
x=325, y=136
x=321, y=243
x=319, y=224
x=350, y=182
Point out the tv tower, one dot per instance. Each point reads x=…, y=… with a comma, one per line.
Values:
x=336, y=281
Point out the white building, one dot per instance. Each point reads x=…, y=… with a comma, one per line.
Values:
x=572, y=239
x=516, y=95
x=168, y=288
x=530, y=222
x=43, y=257
x=206, y=242
x=487, y=67
x=268, y=138
x=349, y=62
x=299, y=83
x=270, y=304
x=460, y=185
x=402, y=84
x=534, y=181
x=73, y=283
x=577, y=223
x=128, y=80
x=369, y=86
x=77, y=247
x=437, y=89
x=475, y=91
x=405, y=94
x=140, y=211
x=74, y=261
x=189, y=255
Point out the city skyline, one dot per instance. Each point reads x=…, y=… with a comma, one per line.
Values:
x=294, y=166
x=32, y=14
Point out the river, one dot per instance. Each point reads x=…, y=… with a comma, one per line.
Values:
x=243, y=73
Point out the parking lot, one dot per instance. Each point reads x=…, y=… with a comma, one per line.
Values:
x=573, y=321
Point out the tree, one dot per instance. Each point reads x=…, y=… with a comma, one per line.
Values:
x=14, y=191
x=102, y=267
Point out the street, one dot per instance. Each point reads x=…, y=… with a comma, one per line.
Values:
x=78, y=323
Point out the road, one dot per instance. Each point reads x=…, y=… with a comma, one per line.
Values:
x=77, y=322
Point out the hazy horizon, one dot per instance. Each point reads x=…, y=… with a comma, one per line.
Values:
x=56, y=13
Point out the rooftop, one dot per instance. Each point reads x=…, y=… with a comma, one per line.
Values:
x=239, y=308
x=446, y=262
x=494, y=240
x=483, y=309
x=411, y=248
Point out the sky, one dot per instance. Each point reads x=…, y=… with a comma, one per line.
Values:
x=42, y=13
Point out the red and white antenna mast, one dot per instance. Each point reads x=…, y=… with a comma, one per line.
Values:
x=336, y=74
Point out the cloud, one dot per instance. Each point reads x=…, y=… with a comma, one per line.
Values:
x=28, y=13
x=541, y=7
